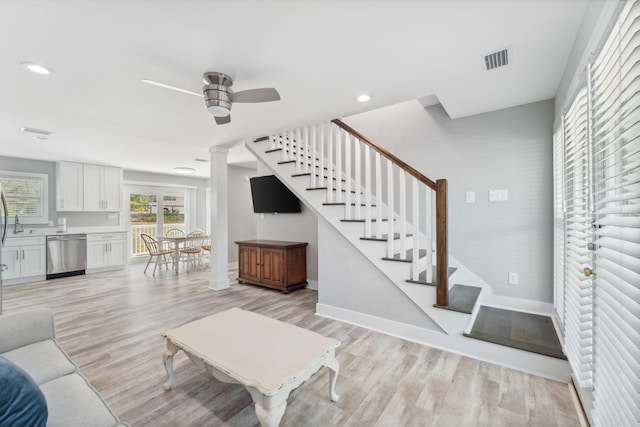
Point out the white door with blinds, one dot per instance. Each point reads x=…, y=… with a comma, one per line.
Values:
x=598, y=207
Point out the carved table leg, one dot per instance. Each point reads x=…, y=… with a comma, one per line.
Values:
x=167, y=358
x=334, y=368
x=270, y=417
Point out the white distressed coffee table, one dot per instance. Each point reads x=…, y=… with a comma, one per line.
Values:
x=268, y=357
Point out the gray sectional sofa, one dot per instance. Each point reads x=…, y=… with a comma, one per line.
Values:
x=28, y=340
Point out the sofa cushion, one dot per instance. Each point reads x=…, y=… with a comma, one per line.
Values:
x=21, y=401
x=73, y=402
x=43, y=360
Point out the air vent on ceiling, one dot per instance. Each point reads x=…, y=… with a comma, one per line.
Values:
x=38, y=132
x=496, y=59
x=201, y=160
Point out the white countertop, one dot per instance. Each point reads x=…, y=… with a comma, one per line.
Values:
x=50, y=231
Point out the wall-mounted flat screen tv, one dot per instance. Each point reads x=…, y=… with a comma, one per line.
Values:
x=270, y=195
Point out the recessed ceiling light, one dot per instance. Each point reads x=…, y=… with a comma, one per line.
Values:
x=183, y=170
x=363, y=97
x=36, y=68
x=40, y=138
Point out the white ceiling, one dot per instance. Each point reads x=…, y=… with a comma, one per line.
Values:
x=318, y=54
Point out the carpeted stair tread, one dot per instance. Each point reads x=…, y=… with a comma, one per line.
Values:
x=462, y=298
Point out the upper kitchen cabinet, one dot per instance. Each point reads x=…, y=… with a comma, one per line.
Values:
x=69, y=186
x=82, y=187
x=102, y=188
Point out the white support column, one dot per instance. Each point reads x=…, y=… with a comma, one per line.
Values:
x=219, y=257
x=415, y=197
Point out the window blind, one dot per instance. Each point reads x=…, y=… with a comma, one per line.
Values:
x=578, y=290
x=23, y=194
x=615, y=106
x=558, y=226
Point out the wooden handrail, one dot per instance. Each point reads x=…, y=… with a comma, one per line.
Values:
x=404, y=166
x=440, y=187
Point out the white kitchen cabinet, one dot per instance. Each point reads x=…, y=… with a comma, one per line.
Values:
x=69, y=186
x=25, y=258
x=102, y=188
x=106, y=251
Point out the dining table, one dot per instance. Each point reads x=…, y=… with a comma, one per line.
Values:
x=177, y=242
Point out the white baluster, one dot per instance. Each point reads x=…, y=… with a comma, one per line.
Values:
x=378, y=196
x=314, y=147
x=390, y=215
x=347, y=173
x=330, y=184
x=338, y=174
x=358, y=176
x=367, y=191
x=299, y=151
x=415, y=195
x=321, y=156
x=305, y=154
x=403, y=213
x=428, y=227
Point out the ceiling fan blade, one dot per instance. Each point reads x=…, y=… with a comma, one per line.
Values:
x=177, y=89
x=223, y=120
x=266, y=94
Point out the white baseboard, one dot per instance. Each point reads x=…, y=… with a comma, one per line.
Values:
x=312, y=284
x=544, y=366
x=519, y=304
x=234, y=265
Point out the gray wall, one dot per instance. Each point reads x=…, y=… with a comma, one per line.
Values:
x=74, y=219
x=508, y=149
x=243, y=223
x=302, y=227
x=349, y=281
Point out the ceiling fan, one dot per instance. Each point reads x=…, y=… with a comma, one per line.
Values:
x=218, y=96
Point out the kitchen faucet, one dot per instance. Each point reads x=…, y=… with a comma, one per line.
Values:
x=18, y=227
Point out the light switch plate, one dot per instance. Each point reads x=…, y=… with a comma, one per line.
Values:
x=498, y=195
x=470, y=196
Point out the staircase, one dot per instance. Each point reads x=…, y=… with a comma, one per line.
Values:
x=396, y=218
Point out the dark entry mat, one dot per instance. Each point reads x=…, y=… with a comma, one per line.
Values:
x=524, y=331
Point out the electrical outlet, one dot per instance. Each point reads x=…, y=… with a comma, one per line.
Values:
x=498, y=195
x=513, y=278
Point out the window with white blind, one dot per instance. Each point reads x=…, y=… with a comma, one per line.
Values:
x=615, y=106
x=27, y=196
x=558, y=226
x=578, y=289
x=599, y=180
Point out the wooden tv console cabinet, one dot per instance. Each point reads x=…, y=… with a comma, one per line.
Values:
x=272, y=263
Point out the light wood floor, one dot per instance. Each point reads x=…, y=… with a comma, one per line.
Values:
x=110, y=324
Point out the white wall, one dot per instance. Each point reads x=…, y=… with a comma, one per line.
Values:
x=302, y=227
x=508, y=149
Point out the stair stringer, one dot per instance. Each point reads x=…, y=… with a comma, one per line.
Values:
x=423, y=296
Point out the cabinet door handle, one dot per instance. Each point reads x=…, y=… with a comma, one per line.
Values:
x=23, y=254
x=110, y=248
x=17, y=255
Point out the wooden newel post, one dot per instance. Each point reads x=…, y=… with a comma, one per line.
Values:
x=442, y=252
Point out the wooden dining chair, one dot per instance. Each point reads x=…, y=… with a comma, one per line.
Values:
x=157, y=250
x=192, y=249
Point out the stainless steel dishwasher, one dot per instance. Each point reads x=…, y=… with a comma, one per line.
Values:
x=66, y=255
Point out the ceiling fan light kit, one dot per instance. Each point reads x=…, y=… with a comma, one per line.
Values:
x=218, y=96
